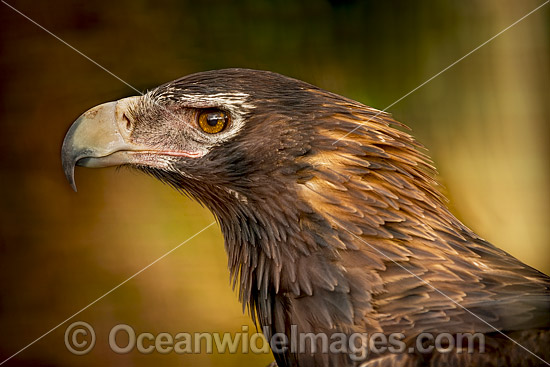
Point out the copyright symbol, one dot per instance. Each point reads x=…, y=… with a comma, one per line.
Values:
x=79, y=338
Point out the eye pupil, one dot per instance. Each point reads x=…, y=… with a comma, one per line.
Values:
x=214, y=118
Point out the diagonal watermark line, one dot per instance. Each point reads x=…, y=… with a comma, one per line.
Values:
x=140, y=271
x=399, y=100
x=107, y=293
x=71, y=47
x=196, y=234
x=444, y=70
x=87, y=57
x=444, y=295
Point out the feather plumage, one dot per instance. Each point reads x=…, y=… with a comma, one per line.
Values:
x=333, y=222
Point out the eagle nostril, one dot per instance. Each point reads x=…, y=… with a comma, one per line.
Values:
x=128, y=125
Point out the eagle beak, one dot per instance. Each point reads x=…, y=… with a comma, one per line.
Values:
x=99, y=138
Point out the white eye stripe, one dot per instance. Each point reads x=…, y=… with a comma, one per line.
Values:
x=237, y=99
x=223, y=100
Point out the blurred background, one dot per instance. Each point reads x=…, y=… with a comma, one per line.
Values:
x=485, y=122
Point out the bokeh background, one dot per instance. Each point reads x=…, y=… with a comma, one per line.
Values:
x=485, y=122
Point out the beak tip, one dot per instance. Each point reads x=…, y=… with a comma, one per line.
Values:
x=68, y=161
x=69, y=174
x=73, y=185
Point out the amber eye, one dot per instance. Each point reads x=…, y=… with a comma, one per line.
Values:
x=213, y=121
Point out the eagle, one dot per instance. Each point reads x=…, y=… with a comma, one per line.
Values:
x=333, y=222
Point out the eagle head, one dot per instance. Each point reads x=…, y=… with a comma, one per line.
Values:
x=220, y=136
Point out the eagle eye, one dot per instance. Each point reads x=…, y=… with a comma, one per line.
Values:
x=213, y=121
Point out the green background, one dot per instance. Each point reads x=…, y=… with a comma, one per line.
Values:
x=485, y=122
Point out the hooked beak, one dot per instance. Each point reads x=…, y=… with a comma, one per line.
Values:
x=99, y=138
